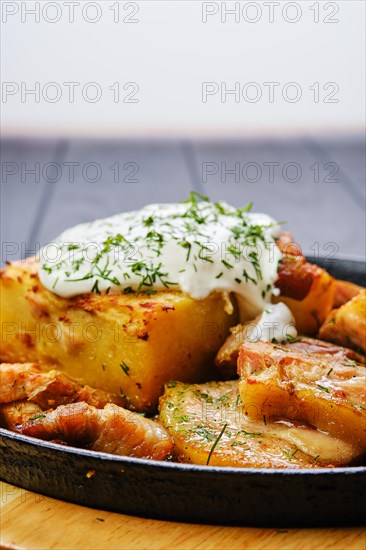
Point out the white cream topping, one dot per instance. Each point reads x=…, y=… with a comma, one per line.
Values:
x=197, y=247
x=276, y=324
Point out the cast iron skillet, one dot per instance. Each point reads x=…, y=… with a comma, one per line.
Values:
x=184, y=492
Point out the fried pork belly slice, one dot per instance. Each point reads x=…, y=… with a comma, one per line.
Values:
x=347, y=325
x=307, y=289
x=328, y=392
x=12, y=415
x=14, y=378
x=47, y=389
x=111, y=430
x=208, y=425
x=320, y=348
x=227, y=356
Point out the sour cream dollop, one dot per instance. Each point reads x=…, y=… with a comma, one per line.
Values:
x=196, y=247
x=276, y=324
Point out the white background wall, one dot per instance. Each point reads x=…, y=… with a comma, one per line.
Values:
x=168, y=52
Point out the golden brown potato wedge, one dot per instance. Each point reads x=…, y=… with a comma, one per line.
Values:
x=326, y=391
x=347, y=325
x=125, y=344
x=344, y=292
x=208, y=426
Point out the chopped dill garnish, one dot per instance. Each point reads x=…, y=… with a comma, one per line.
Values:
x=124, y=367
x=216, y=443
x=323, y=388
x=37, y=416
x=226, y=264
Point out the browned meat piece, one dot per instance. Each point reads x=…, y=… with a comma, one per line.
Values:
x=14, y=378
x=287, y=245
x=305, y=288
x=110, y=430
x=295, y=274
x=313, y=346
x=12, y=415
x=227, y=356
x=295, y=277
x=48, y=389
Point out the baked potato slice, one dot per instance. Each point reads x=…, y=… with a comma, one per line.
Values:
x=208, y=426
x=125, y=344
x=347, y=325
x=327, y=392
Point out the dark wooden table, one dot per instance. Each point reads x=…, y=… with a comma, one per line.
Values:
x=316, y=185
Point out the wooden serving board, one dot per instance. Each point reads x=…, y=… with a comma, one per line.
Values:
x=33, y=521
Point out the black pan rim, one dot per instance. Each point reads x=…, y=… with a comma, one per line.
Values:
x=177, y=466
x=344, y=257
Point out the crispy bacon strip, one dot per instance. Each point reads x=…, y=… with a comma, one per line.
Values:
x=48, y=389
x=12, y=415
x=14, y=378
x=295, y=274
x=318, y=347
x=227, y=356
x=111, y=430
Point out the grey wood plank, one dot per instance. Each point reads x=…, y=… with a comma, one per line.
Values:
x=26, y=175
x=161, y=171
x=149, y=172
x=349, y=155
x=317, y=210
